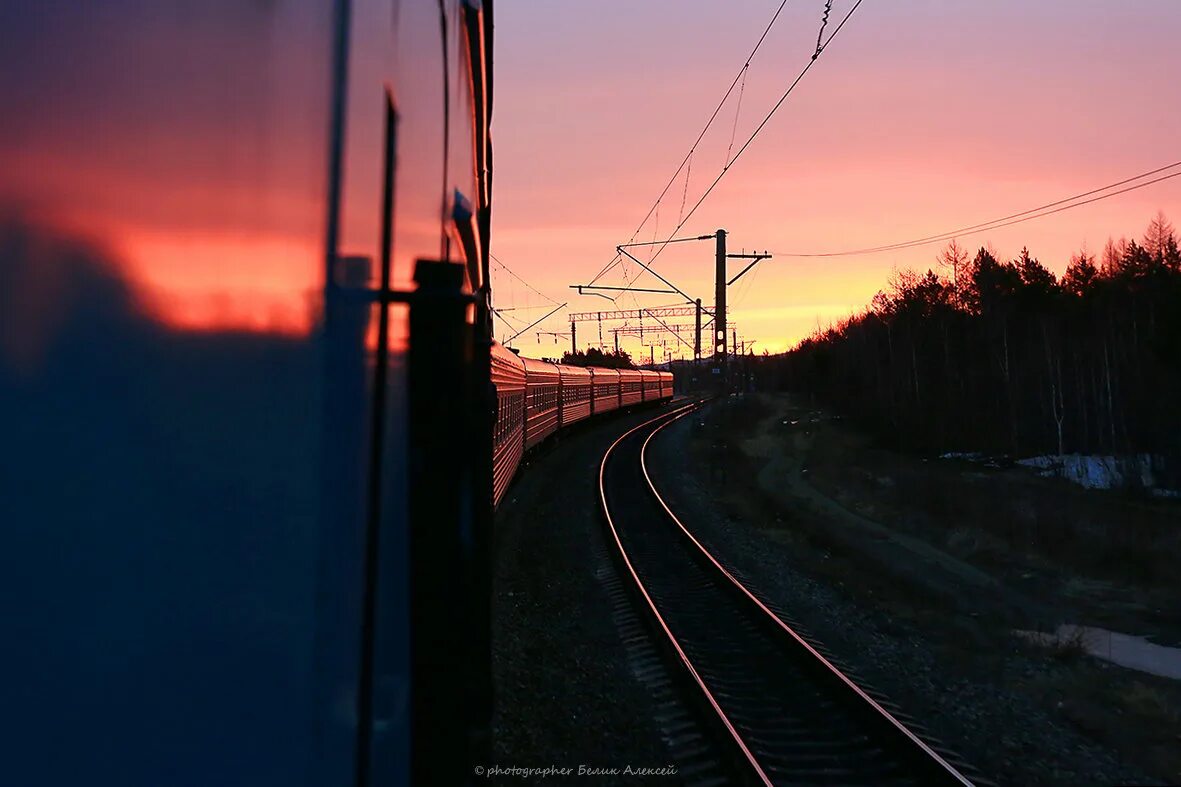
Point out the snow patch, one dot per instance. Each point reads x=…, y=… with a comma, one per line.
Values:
x=1091, y=471
x=1095, y=471
x=1126, y=650
x=968, y=456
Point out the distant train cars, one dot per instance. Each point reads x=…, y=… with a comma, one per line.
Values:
x=631, y=387
x=508, y=438
x=535, y=399
x=576, y=393
x=543, y=412
x=605, y=383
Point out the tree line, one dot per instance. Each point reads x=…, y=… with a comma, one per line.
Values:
x=593, y=356
x=1005, y=357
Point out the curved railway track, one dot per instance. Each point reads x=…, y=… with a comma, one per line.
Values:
x=787, y=715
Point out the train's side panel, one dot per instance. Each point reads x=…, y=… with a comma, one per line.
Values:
x=542, y=395
x=413, y=120
x=666, y=385
x=631, y=390
x=606, y=389
x=187, y=373
x=576, y=394
x=164, y=212
x=192, y=225
x=651, y=385
x=508, y=375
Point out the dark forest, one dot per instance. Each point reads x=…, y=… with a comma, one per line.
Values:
x=1004, y=358
x=593, y=356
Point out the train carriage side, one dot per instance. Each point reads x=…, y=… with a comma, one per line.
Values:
x=666, y=385
x=508, y=441
x=605, y=383
x=575, y=394
x=542, y=394
x=651, y=385
x=631, y=387
x=205, y=371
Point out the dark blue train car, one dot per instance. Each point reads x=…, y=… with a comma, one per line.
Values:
x=207, y=213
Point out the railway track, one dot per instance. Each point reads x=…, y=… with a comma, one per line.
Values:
x=783, y=711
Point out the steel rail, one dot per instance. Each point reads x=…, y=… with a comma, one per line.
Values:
x=685, y=660
x=753, y=753
x=835, y=672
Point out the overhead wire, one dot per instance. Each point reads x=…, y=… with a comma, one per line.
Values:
x=737, y=111
x=512, y=322
x=696, y=142
x=515, y=324
x=685, y=192
x=518, y=278
x=823, y=24
x=747, y=286
x=536, y=322
x=766, y=119
x=1014, y=218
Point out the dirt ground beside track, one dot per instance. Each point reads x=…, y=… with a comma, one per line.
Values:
x=954, y=557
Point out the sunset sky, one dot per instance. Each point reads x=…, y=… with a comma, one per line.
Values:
x=922, y=116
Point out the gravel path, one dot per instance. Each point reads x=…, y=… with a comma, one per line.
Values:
x=974, y=706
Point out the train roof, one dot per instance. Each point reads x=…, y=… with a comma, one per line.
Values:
x=568, y=370
x=508, y=370
x=601, y=372
x=517, y=365
x=540, y=368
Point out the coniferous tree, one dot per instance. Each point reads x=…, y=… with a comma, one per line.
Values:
x=1014, y=360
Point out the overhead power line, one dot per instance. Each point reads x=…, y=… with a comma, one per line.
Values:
x=1049, y=209
x=766, y=119
x=665, y=242
x=536, y=322
x=522, y=308
x=513, y=323
x=823, y=24
x=518, y=278
x=741, y=72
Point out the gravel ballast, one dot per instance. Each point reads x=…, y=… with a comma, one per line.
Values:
x=967, y=704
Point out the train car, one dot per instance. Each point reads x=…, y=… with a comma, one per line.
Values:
x=651, y=387
x=666, y=385
x=543, y=389
x=208, y=423
x=576, y=393
x=605, y=383
x=631, y=387
x=508, y=439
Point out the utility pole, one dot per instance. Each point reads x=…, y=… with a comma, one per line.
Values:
x=616, y=342
x=697, y=344
x=651, y=354
x=573, y=339
x=720, y=303
x=720, y=342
